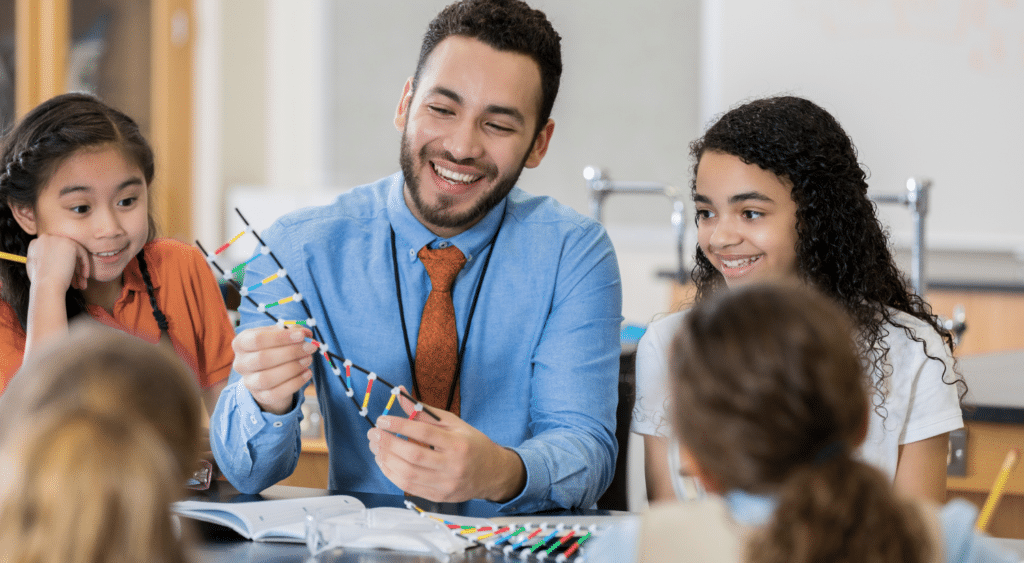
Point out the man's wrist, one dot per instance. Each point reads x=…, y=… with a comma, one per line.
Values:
x=512, y=477
x=279, y=410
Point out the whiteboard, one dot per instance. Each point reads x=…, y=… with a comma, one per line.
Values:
x=927, y=88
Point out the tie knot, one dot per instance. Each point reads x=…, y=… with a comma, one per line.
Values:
x=442, y=265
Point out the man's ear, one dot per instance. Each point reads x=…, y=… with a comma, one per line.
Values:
x=402, y=112
x=540, y=145
x=25, y=216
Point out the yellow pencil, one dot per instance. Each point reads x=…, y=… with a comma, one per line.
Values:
x=997, y=489
x=13, y=257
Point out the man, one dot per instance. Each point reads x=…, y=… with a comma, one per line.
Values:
x=537, y=304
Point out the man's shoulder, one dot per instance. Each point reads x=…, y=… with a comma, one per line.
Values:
x=360, y=203
x=537, y=209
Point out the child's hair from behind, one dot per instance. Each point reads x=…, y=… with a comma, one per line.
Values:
x=29, y=155
x=97, y=435
x=88, y=487
x=97, y=369
x=842, y=247
x=769, y=397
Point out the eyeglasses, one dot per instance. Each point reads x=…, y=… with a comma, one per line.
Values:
x=200, y=479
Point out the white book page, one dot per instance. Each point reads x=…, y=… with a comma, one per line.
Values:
x=270, y=520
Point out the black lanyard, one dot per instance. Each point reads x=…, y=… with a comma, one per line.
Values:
x=469, y=320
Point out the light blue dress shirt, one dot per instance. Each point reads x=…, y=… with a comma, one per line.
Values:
x=540, y=372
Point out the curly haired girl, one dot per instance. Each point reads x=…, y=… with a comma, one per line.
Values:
x=780, y=195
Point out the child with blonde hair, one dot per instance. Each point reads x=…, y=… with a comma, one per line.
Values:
x=97, y=436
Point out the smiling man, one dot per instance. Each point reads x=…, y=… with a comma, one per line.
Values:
x=498, y=309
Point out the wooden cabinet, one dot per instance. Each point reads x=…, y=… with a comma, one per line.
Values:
x=995, y=318
x=139, y=60
x=995, y=323
x=313, y=468
x=987, y=444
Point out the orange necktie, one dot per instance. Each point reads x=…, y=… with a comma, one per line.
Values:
x=437, y=345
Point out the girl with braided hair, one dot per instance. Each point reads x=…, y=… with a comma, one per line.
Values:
x=74, y=199
x=780, y=195
x=768, y=405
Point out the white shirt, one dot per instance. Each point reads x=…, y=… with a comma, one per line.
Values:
x=918, y=404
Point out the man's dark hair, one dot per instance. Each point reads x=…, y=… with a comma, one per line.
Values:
x=505, y=25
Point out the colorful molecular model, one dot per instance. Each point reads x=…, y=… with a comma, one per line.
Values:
x=333, y=359
x=558, y=541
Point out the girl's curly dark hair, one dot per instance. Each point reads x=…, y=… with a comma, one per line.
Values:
x=842, y=248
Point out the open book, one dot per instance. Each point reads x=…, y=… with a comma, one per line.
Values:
x=331, y=521
x=269, y=520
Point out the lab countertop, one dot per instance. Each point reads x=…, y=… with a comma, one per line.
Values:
x=995, y=383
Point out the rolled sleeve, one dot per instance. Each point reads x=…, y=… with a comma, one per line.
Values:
x=253, y=449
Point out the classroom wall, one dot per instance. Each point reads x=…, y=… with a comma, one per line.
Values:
x=929, y=89
x=307, y=93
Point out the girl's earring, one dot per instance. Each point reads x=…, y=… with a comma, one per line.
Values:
x=686, y=487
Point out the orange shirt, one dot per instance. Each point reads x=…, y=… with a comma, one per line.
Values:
x=186, y=292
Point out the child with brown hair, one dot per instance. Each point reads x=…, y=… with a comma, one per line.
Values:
x=75, y=177
x=769, y=404
x=97, y=436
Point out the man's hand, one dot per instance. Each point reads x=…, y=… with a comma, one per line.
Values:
x=446, y=460
x=274, y=364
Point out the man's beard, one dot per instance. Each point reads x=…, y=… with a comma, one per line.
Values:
x=440, y=214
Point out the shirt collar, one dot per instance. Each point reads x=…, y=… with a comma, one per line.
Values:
x=132, y=276
x=750, y=509
x=409, y=230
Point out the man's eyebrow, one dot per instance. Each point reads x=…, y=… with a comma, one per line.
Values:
x=442, y=91
x=493, y=108
x=515, y=114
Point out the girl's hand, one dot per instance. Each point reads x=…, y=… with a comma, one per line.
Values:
x=57, y=262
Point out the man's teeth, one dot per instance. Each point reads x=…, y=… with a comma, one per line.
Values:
x=742, y=263
x=455, y=177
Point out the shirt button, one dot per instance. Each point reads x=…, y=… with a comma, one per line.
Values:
x=253, y=419
x=412, y=252
x=278, y=424
x=444, y=244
